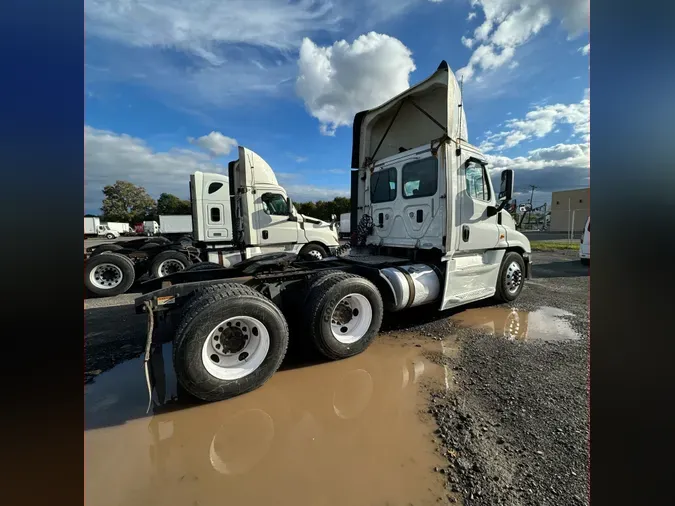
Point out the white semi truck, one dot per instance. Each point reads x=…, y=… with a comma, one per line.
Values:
x=94, y=228
x=429, y=229
x=235, y=217
x=117, y=226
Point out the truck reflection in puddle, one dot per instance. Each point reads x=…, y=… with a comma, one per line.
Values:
x=546, y=323
x=345, y=432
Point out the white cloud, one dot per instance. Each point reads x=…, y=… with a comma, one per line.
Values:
x=337, y=171
x=300, y=159
x=471, y=16
x=585, y=49
x=543, y=119
x=200, y=25
x=337, y=81
x=511, y=23
x=559, y=167
x=110, y=156
x=214, y=143
x=467, y=42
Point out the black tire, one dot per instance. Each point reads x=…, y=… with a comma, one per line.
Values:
x=502, y=293
x=586, y=261
x=125, y=266
x=176, y=256
x=312, y=252
x=322, y=300
x=203, y=266
x=106, y=247
x=203, y=314
x=110, y=236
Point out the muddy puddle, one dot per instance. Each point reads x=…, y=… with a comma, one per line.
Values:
x=546, y=323
x=349, y=432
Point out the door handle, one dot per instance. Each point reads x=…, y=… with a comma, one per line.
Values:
x=265, y=234
x=465, y=233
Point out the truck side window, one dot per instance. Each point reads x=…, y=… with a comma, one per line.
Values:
x=214, y=187
x=383, y=186
x=420, y=178
x=215, y=215
x=476, y=181
x=275, y=204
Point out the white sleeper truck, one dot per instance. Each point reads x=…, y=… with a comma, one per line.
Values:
x=235, y=217
x=428, y=228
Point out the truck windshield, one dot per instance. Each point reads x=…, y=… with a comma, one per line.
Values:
x=383, y=186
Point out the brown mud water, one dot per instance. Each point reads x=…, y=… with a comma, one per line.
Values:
x=350, y=432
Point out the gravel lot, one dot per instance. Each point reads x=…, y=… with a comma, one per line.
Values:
x=513, y=424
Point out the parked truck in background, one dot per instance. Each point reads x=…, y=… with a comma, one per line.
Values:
x=234, y=218
x=175, y=226
x=94, y=228
x=122, y=228
x=150, y=228
x=345, y=225
x=429, y=230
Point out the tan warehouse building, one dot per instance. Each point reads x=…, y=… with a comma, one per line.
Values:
x=569, y=205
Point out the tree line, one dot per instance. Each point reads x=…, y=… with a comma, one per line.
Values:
x=128, y=203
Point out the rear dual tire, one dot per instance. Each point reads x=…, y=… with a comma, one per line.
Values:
x=108, y=274
x=344, y=314
x=230, y=341
x=169, y=262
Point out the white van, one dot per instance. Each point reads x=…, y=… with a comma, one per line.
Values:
x=585, y=249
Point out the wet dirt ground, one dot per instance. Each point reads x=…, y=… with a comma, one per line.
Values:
x=481, y=405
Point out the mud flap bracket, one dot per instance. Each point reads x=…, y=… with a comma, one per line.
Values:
x=148, y=347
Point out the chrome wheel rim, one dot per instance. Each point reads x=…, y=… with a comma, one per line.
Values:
x=235, y=348
x=106, y=276
x=351, y=318
x=514, y=277
x=170, y=266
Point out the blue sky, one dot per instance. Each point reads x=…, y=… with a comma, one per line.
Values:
x=172, y=86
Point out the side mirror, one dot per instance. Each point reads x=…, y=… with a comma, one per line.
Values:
x=506, y=185
x=291, y=210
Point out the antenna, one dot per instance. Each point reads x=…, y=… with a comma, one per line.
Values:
x=461, y=103
x=458, y=151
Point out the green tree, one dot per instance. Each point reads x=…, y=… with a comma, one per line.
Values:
x=323, y=210
x=168, y=203
x=127, y=203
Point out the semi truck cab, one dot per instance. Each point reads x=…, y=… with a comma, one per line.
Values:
x=249, y=209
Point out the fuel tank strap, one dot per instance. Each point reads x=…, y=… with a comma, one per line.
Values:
x=411, y=286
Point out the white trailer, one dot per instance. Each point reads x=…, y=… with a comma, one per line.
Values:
x=345, y=225
x=122, y=228
x=175, y=226
x=94, y=228
x=431, y=230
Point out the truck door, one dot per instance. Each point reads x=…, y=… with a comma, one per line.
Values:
x=273, y=225
x=478, y=231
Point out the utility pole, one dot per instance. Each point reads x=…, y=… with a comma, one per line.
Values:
x=532, y=195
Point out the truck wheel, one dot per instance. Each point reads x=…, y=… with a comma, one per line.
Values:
x=344, y=314
x=511, y=277
x=110, y=236
x=106, y=247
x=109, y=274
x=168, y=262
x=229, y=342
x=313, y=252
